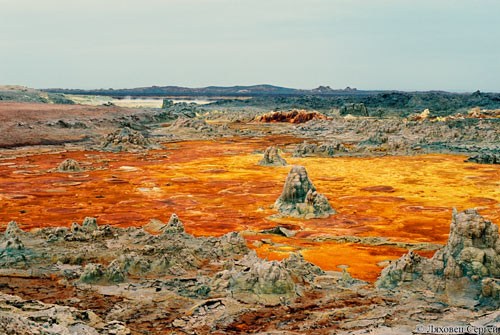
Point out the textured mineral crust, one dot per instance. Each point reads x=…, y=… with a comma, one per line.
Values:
x=300, y=198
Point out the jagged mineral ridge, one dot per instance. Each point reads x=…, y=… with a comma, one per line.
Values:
x=300, y=198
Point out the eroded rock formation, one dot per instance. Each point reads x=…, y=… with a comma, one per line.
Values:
x=466, y=270
x=300, y=198
x=272, y=158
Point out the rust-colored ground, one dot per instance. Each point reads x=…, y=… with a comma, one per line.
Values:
x=217, y=187
x=27, y=123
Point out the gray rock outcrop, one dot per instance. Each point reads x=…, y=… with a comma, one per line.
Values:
x=126, y=139
x=300, y=198
x=31, y=317
x=358, y=109
x=485, y=158
x=13, y=230
x=69, y=165
x=181, y=109
x=466, y=269
x=323, y=150
x=174, y=225
x=272, y=158
x=191, y=123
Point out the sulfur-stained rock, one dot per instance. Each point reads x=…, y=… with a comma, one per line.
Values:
x=272, y=158
x=291, y=116
x=69, y=165
x=300, y=198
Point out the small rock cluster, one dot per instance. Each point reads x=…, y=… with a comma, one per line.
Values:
x=181, y=109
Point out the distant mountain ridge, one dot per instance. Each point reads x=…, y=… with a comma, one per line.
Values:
x=230, y=91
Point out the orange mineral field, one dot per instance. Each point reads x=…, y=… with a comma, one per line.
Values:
x=217, y=187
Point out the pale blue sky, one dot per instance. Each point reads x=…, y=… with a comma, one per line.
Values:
x=368, y=44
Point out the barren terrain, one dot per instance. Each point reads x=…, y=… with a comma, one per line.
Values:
x=93, y=191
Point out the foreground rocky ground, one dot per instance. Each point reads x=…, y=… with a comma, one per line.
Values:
x=92, y=279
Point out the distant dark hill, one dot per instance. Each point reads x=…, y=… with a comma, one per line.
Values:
x=210, y=91
x=322, y=98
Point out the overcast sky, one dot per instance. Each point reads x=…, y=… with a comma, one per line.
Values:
x=368, y=44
